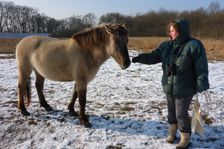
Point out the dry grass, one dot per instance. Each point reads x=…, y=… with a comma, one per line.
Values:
x=214, y=48
x=8, y=45
x=145, y=43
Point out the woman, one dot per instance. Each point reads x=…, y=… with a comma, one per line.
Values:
x=185, y=72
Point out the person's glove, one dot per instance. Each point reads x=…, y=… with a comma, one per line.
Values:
x=135, y=59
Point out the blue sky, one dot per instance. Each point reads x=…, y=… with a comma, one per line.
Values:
x=61, y=9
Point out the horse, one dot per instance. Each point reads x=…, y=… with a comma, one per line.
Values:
x=77, y=59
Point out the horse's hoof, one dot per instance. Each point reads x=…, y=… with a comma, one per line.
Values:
x=48, y=109
x=87, y=124
x=73, y=113
x=24, y=112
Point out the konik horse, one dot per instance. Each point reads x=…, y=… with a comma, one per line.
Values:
x=75, y=59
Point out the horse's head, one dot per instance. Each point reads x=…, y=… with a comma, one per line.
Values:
x=117, y=44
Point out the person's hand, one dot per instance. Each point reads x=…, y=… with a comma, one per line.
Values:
x=135, y=59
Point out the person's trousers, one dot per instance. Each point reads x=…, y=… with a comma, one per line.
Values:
x=178, y=112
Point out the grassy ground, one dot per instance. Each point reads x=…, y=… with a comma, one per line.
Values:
x=214, y=48
x=8, y=45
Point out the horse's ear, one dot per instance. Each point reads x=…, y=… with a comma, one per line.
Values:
x=109, y=29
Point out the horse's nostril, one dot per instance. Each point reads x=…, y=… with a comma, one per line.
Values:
x=127, y=63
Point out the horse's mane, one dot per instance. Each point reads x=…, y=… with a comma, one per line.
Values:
x=91, y=37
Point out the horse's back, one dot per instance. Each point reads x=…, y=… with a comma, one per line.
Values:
x=26, y=46
x=30, y=43
x=25, y=50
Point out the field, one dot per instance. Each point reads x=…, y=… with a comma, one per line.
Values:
x=214, y=48
x=8, y=45
x=127, y=109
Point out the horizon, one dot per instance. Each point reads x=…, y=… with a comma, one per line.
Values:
x=70, y=8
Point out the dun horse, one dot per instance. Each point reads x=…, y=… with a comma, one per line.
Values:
x=75, y=59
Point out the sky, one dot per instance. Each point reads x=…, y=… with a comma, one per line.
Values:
x=61, y=9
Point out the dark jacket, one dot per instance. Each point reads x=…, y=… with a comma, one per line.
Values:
x=184, y=64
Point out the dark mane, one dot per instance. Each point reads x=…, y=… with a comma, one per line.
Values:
x=91, y=37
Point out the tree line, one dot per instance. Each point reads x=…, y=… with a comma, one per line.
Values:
x=204, y=22
x=23, y=19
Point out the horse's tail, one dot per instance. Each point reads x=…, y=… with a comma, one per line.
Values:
x=28, y=92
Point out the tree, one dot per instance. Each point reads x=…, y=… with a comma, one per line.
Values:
x=112, y=18
x=214, y=7
x=89, y=19
x=2, y=16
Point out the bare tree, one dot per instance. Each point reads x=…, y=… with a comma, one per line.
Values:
x=8, y=7
x=89, y=19
x=52, y=25
x=112, y=18
x=214, y=7
x=23, y=19
x=2, y=16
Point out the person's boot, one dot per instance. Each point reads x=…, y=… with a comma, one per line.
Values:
x=184, y=141
x=171, y=133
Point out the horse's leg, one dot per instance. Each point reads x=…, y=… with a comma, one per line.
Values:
x=82, y=103
x=39, y=86
x=72, y=102
x=24, y=71
x=22, y=82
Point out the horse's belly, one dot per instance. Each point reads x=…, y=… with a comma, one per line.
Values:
x=59, y=78
x=62, y=70
x=55, y=74
x=52, y=68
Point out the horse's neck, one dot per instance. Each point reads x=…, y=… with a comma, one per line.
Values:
x=100, y=55
x=95, y=48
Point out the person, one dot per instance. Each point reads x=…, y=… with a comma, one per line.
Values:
x=185, y=72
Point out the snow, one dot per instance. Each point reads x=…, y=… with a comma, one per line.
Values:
x=127, y=109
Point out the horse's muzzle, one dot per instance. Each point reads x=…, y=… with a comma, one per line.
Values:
x=126, y=64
